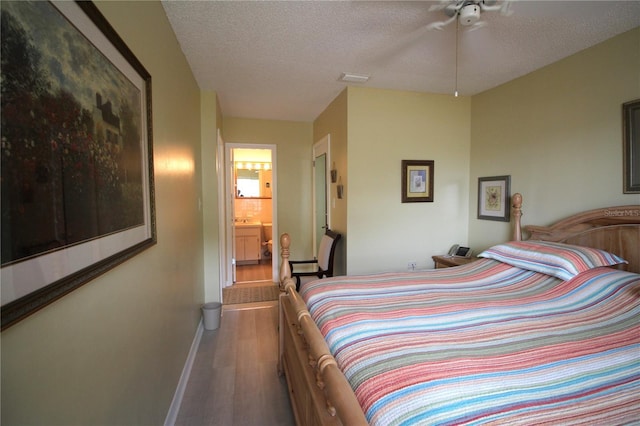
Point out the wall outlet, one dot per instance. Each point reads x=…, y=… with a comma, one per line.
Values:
x=411, y=266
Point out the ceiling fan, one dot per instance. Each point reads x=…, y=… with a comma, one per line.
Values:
x=467, y=12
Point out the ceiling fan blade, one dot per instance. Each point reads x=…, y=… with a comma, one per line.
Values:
x=450, y=8
x=491, y=8
x=506, y=9
x=477, y=25
x=439, y=25
x=436, y=7
x=443, y=4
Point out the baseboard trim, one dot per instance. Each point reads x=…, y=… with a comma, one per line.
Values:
x=172, y=415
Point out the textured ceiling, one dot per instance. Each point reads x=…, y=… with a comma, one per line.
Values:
x=281, y=60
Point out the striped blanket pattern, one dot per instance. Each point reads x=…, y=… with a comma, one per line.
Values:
x=485, y=343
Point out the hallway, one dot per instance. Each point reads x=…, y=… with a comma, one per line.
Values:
x=234, y=380
x=250, y=273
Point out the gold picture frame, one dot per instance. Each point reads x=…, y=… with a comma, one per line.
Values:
x=417, y=181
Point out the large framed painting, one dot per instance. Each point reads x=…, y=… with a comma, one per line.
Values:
x=77, y=168
x=631, y=146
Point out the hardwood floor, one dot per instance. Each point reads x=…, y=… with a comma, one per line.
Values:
x=249, y=273
x=234, y=380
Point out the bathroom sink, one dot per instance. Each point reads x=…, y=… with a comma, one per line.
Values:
x=247, y=224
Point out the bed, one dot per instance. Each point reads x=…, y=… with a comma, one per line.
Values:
x=542, y=331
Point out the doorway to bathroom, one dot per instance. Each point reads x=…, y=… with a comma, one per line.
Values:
x=251, y=201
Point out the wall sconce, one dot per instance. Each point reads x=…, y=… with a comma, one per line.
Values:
x=340, y=188
x=334, y=173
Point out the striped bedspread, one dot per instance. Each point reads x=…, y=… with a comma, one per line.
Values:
x=486, y=343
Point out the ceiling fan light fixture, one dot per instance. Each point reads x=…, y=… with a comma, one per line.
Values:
x=353, y=78
x=469, y=14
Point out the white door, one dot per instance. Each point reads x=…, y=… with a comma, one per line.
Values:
x=321, y=190
x=226, y=278
x=230, y=252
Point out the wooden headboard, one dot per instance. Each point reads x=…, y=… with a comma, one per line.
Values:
x=614, y=229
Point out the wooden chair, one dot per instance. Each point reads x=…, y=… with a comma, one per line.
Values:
x=324, y=261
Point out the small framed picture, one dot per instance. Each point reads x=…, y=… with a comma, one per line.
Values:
x=494, y=198
x=417, y=181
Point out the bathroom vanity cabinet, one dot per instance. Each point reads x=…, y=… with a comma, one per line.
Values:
x=248, y=244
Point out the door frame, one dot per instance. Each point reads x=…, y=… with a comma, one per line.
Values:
x=228, y=218
x=225, y=273
x=323, y=146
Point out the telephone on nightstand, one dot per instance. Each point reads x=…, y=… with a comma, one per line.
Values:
x=459, y=251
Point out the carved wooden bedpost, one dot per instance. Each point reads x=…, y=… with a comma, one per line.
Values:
x=285, y=274
x=517, y=214
x=285, y=269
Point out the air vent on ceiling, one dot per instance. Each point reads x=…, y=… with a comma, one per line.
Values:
x=353, y=78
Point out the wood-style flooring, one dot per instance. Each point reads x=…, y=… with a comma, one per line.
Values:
x=234, y=379
x=249, y=273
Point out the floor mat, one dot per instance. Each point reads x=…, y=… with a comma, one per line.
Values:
x=245, y=294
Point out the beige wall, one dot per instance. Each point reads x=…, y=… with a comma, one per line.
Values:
x=211, y=121
x=384, y=128
x=293, y=142
x=112, y=351
x=558, y=133
x=333, y=121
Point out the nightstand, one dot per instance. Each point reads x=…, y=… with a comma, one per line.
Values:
x=448, y=261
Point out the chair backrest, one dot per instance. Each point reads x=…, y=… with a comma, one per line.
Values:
x=326, y=251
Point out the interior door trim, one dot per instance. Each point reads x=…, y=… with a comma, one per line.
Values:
x=230, y=196
x=323, y=146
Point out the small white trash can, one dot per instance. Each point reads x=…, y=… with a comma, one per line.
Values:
x=211, y=314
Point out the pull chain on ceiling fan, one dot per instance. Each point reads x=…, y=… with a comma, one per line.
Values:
x=455, y=93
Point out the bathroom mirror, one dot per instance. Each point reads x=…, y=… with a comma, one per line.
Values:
x=253, y=183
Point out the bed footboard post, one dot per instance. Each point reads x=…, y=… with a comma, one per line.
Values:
x=517, y=214
x=285, y=274
x=285, y=269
